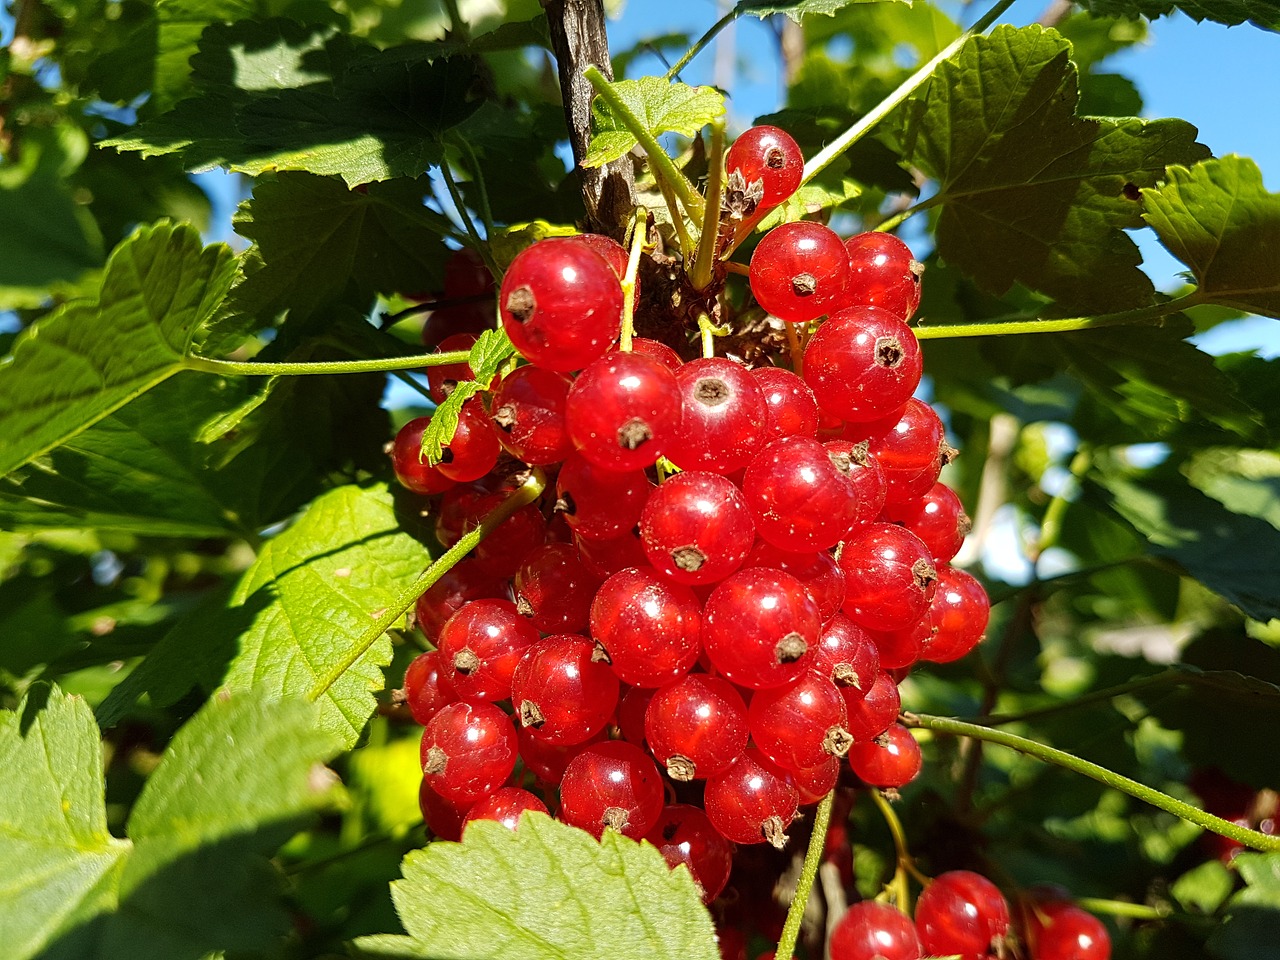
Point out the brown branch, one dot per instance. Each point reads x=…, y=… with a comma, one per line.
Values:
x=578, y=39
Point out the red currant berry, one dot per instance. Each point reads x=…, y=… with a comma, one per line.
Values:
x=528, y=412
x=442, y=378
x=600, y=504
x=937, y=518
x=889, y=577
x=799, y=271
x=900, y=649
x=554, y=589
x=847, y=656
x=614, y=253
x=505, y=806
x=684, y=835
x=800, y=725
x=656, y=350
x=474, y=449
x=696, y=528
x=480, y=647
x=547, y=761
x=697, y=726
x=426, y=688
x=443, y=322
x=770, y=157
x=818, y=571
x=561, y=304
x=510, y=543
x=874, y=931
x=790, y=407
x=890, y=760
x=648, y=627
x=750, y=804
x=623, y=411
x=611, y=785
x=760, y=628
x=958, y=615
x=883, y=274
x=814, y=783
x=962, y=912
x=459, y=585
x=412, y=470
x=631, y=713
x=862, y=364
x=468, y=750
x=1062, y=931
x=872, y=710
x=562, y=692
x=442, y=818
x=465, y=275
x=722, y=418
x=604, y=558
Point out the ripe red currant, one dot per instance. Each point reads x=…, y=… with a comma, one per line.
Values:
x=459, y=585
x=722, y=416
x=505, y=806
x=962, y=912
x=872, y=709
x=847, y=655
x=1062, y=931
x=480, y=647
x=874, y=931
x=889, y=577
x=890, y=760
x=790, y=407
x=799, y=271
x=800, y=725
x=412, y=470
x=818, y=571
x=696, y=528
x=696, y=726
x=937, y=518
x=648, y=627
x=554, y=589
x=883, y=273
x=468, y=750
x=623, y=411
x=426, y=688
x=862, y=364
x=760, y=628
x=958, y=614
x=611, y=785
x=561, y=691
x=684, y=835
x=600, y=504
x=442, y=378
x=769, y=164
x=750, y=804
x=528, y=413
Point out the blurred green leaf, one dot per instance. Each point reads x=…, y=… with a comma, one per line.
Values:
x=1262, y=13
x=661, y=106
x=524, y=893
x=1252, y=925
x=1204, y=888
x=796, y=9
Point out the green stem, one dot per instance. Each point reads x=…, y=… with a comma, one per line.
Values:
x=704, y=266
x=687, y=246
x=249, y=368
x=1250, y=838
x=458, y=28
x=1119, y=908
x=703, y=40
x=812, y=860
x=821, y=160
x=526, y=493
x=658, y=158
x=1000, y=328
x=709, y=331
x=1051, y=522
x=629, y=279
x=477, y=242
x=486, y=212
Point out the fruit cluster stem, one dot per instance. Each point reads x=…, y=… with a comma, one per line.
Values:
x=249, y=368
x=1250, y=838
x=704, y=265
x=997, y=328
x=809, y=870
x=629, y=279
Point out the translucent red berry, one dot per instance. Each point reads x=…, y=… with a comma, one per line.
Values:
x=1063, y=931
x=962, y=912
x=760, y=627
x=683, y=834
x=937, y=518
x=611, y=785
x=769, y=164
x=790, y=407
x=696, y=528
x=473, y=450
x=799, y=271
x=554, y=589
x=800, y=725
x=862, y=364
x=649, y=628
x=600, y=504
x=480, y=646
x=889, y=577
x=412, y=469
x=623, y=411
x=443, y=377
x=528, y=411
x=748, y=803
x=696, y=726
x=847, y=656
x=818, y=571
x=426, y=688
x=874, y=931
x=561, y=691
x=883, y=273
x=872, y=709
x=505, y=806
x=958, y=615
x=467, y=751
x=722, y=416
x=459, y=585
x=890, y=760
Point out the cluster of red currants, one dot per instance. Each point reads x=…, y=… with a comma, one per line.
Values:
x=963, y=914
x=736, y=567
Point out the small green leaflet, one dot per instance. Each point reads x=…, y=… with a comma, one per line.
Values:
x=1219, y=219
x=75, y=366
x=238, y=779
x=810, y=199
x=796, y=10
x=662, y=107
x=1253, y=914
x=1029, y=192
x=1263, y=13
x=488, y=354
x=545, y=890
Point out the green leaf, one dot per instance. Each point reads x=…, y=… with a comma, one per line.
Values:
x=279, y=95
x=312, y=593
x=546, y=890
x=810, y=199
x=236, y=781
x=488, y=354
x=1029, y=192
x=1205, y=887
x=1219, y=219
x=1262, y=13
x=318, y=242
x=797, y=9
x=1253, y=914
x=444, y=420
x=74, y=367
x=661, y=106
x=1230, y=553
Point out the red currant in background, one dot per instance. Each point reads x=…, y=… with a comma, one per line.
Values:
x=623, y=411
x=443, y=322
x=890, y=760
x=561, y=692
x=696, y=528
x=750, y=804
x=442, y=378
x=547, y=761
x=800, y=725
x=900, y=649
x=883, y=273
x=442, y=818
x=604, y=558
x=799, y=271
x=465, y=275
x=958, y=614
x=811, y=783
x=760, y=627
x=412, y=469
x=848, y=656
x=554, y=589
x=1062, y=931
x=962, y=912
x=862, y=364
x=474, y=449
x=872, y=709
x=889, y=577
x=648, y=626
x=790, y=407
x=468, y=750
x=937, y=518
x=426, y=689
x=655, y=350
x=772, y=157
x=614, y=253
x=722, y=416
x=600, y=504
x=528, y=411
x=459, y=585
x=505, y=806
x=818, y=571
x=696, y=726
x=611, y=785
x=684, y=834
x=874, y=931
x=630, y=715
x=561, y=304
x=480, y=647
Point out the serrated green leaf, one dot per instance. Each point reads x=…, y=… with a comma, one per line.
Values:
x=797, y=10
x=661, y=106
x=318, y=242
x=1262, y=13
x=488, y=354
x=311, y=99
x=1232, y=554
x=810, y=199
x=444, y=420
x=235, y=782
x=1031, y=193
x=1219, y=219
x=74, y=367
x=313, y=591
x=546, y=890
x=1253, y=914
x=1205, y=887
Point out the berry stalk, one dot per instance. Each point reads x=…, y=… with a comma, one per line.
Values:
x=250, y=368
x=812, y=860
x=1000, y=328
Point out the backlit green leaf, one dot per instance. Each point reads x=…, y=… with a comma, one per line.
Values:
x=1029, y=192
x=546, y=890
x=1263, y=13
x=661, y=106
x=797, y=9
x=1253, y=914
